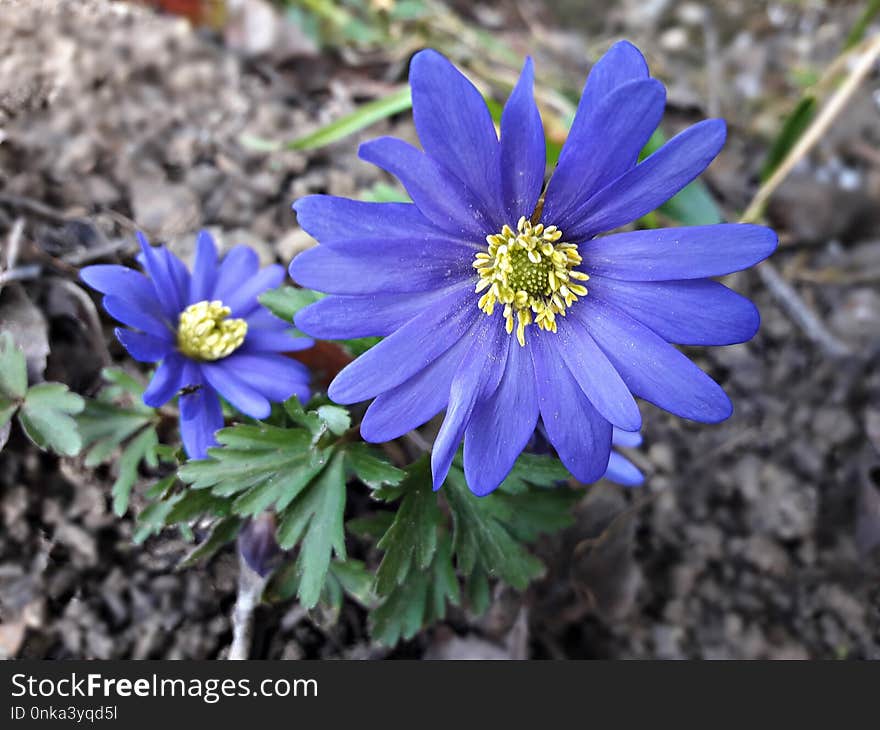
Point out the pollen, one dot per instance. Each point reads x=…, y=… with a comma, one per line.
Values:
x=531, y=273
x=205, y=332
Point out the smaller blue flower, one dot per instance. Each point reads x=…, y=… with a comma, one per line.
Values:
x=208, y=332
x=620, y=469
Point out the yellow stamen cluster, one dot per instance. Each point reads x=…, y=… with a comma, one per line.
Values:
x=531, y=273
x=205, y=333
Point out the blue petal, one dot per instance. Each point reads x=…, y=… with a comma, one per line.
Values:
x=234, y=388
x=477, y=377
x=280, y=339
x=125, y=283
x=595, y=375
x=455, y=127
x=243, y=300
x=523, y=149
x=652, y=368
x=166, y=278
x=692, y=312
x=650, y=183
x=416, y=401
x=694, y=252
x=413, y=347
x=132, y=315
x=622, y=471
x=502, y=425
x=333, y=220
x=439, y=195
x=204, y=274
x=201, y=416
x=622, y=63
x=627, y=439
x=607, y=145
x=376, y=315
x=237, y=266
x=581, y=437
x=385, y=266
x=167, y=380
x=274, y=376
x=143, y=347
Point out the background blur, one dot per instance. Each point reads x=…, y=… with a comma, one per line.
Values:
x=756, y=538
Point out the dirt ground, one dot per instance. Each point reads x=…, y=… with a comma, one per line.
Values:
x=756, y=538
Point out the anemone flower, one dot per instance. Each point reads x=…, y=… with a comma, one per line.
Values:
x=498, y=298
x=208, y=332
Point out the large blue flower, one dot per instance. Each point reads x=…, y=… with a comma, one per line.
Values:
x=497, y=299
x=207, y=330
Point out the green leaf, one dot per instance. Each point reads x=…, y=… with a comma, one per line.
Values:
x=480, y=539
x=355, y=580
x=411, y=540
x=540, y=470
x=792, y=129
x=316, y=518
x=285, y=301
x=106, y=425
x=223, y=532
x=13, y=369
x=141, y=448
x=364, y=116
x=336, y=418
x=256, y=455
x=857, y=32
x=195, y=503
x=371, y=527
x=370, y=469
x=420, y=600
x=45, y=418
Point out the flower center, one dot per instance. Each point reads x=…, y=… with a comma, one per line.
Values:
x=205, y=333
x=531, y=273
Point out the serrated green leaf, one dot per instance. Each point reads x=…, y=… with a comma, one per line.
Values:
x=316, y=518
x=538, y=469
x=420, y=600
x=140, y=448
x=13, y=369
x=105, y=426
x=7, y=411
x=251, y=455
x=412, y=538
x=161, y=488
x=195, y=503
x=45, y=418
x=153, y=517
x=336, y=418
x=481, y=539
x=479, y=595
x=285, y=301
x=355, y=580
x=125, y=382
x=371, y=526
x=370, y=469
x=223, y=532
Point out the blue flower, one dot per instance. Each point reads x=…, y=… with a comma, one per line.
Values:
x=497, y=297
x=208, y=332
